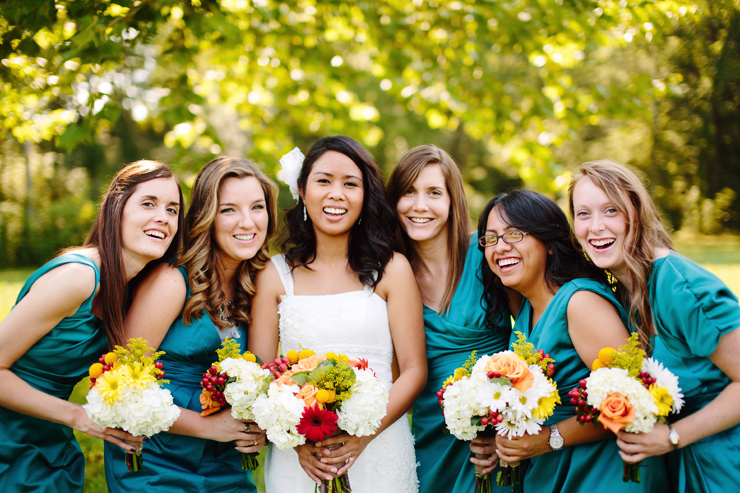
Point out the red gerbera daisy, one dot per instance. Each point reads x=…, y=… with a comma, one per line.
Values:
x=316, y=424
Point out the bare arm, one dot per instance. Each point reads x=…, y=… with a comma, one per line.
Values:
x=264, y=331
x=584, y=307
x=54, y=296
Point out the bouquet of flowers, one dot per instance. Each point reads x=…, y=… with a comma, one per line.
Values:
x=236, y=379
x=315, y=396
x=125, y=393
x=627, y=391
x=510, y=393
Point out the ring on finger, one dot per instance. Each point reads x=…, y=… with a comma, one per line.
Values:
x=247, y=429
x=255, y=443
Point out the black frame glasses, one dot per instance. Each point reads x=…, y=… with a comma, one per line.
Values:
x=514, y=236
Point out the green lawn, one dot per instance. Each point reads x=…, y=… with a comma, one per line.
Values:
x=720, y=255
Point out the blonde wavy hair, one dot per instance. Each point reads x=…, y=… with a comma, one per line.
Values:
x=458, y=224
x=201, y=253
x=644, y=223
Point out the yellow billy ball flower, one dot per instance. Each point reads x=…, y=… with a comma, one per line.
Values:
x=111, y=358
x=606, y=355
x=662, y=399
x=250, y=357
x=306, y=353
x=292, y=356
x=96, y=369
x=331, y=355
x=597, y=364
x=325, y=396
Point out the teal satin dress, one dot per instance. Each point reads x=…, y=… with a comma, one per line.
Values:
x=444, y=461
x=38, y=455
x=177, y=462
x=594, y=466
x=692, y=309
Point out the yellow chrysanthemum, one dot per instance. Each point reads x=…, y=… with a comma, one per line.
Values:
x=662, y=399
x=111, y=358
x=306, y=353
x=606, y=356
x=96, y=369
x=323, y=396
x=546, y=405
x=142, y=375
x=111, y=383
x=597, y=364
x=292, y=356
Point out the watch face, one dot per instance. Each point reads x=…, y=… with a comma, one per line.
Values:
x=673, y=437
x=556, y=442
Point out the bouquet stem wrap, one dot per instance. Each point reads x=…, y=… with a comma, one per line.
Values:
x=339, y=484
x=508, y=475
x=249, y=461
x=134, y=460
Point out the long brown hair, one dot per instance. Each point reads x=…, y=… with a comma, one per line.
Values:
x=105, y=235
x=458, y=225
x=627, y=193
x=200, y=252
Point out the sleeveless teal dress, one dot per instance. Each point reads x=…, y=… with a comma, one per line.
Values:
x=589, y=467
x=692, y=309
x=178, y=462
x=444, y=461
x=35, y=454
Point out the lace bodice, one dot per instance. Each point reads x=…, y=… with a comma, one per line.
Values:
x=354, y=323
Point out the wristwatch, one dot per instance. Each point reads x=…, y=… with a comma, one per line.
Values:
x=556, y=441
x=673, y=436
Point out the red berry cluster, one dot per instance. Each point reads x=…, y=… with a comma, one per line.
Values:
x=578, y=396
x=647, y=379
x=215, y=382
x=279, y=366
x=550, y=366
x=492, y=419
x=440, y=397
x=159, y=365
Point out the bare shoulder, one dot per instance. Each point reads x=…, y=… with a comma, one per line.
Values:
x=267, y=281
x=398, y=266
x=397, y=277
x=165, y=278
x=589, y=304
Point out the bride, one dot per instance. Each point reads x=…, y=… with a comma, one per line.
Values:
x=339, y=287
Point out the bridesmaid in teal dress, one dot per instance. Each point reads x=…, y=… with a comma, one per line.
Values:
x=66, y=315
x=426, y=190
x=686, y=315
x=529, y=247
x=187, y=311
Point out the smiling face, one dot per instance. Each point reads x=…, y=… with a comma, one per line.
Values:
x=423, y=210
x=149, y=219
x=520, y=266
x=334, y=194
x=600, y=228
x=241, y=220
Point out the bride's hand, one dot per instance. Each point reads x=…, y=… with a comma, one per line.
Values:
x=308, y=457
x=350, y=449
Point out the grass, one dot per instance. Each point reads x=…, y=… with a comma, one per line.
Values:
x=720, y=255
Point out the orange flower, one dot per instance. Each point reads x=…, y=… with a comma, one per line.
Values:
x=513, y=368
x=308, y=395
x=285, y=378
x=616, y=412
x=308, y=364
x=208, y=405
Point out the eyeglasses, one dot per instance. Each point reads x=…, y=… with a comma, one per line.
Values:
x=508, y=237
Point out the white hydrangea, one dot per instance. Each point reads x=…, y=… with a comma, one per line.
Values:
x=141, y=412
x=460, y=406
x=278, y=413
x=360, y=415
x=242, y=392
x=606, y=381
x=664, y=378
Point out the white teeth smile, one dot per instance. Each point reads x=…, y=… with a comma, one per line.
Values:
x=420, y=220
x=602, y=243
x=245, y=237
x=508, y=261
x=334, y=210
x=155, y=234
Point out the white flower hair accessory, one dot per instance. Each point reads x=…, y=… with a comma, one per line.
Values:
x=291, y=164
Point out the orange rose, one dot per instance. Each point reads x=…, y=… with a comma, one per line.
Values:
x=308, y=395
x=285, y=378
x=616, y=412
x=513, y=368
x=208, y=405
x=308, y=364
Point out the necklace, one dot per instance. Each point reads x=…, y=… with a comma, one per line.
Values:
x=222, y=312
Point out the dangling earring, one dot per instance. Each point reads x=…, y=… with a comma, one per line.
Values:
x=359, y=220
x=305, y=214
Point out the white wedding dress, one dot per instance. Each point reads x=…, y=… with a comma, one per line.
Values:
x=356, y=324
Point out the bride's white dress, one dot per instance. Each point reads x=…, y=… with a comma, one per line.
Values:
x=356, y=324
